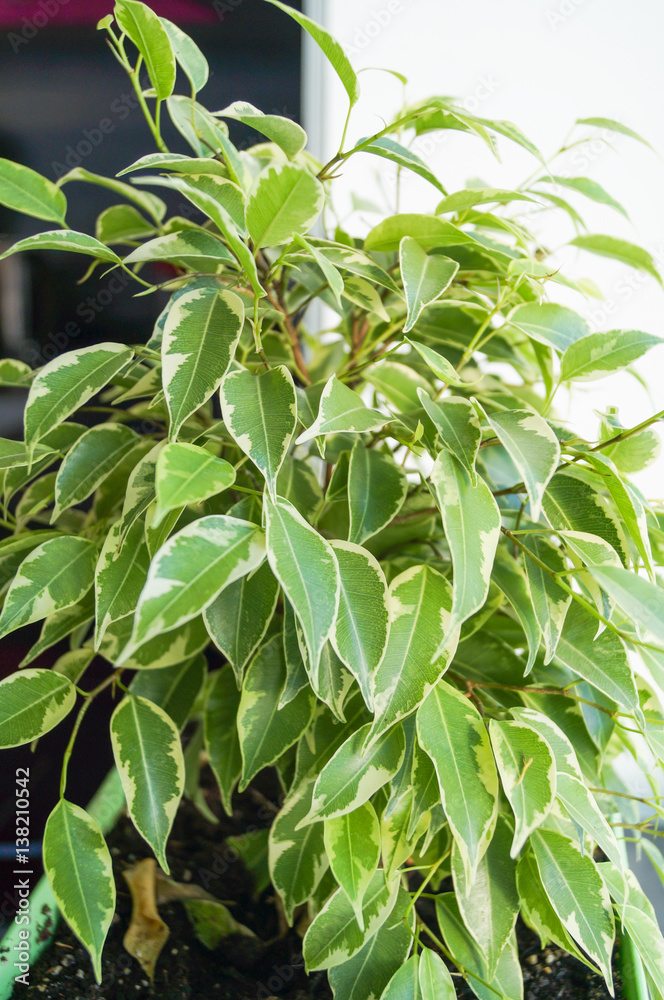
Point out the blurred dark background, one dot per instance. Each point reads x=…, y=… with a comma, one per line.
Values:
x=58, y=82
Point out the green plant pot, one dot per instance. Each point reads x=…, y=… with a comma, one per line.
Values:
x=105, y=806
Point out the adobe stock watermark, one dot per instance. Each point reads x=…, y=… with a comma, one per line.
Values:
x=31, y=26
x=92, y=138
x=365, y=33
x=562, y=12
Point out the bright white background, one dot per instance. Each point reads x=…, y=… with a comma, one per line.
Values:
x=541, y=64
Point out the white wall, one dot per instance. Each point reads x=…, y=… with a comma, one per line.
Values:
x=541, y=64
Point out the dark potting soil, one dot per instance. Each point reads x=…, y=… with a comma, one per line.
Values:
x=241, y=969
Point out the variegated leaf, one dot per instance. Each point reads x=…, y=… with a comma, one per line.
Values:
x=334, y=935
x=201, y=332
x=452, y=732
x=265, y=730
x=472, y=527
x=164, y=650
x=79, y=868
x=186, y=474
x=353, y=774
x=550, y=602
x=296, y=854
x=353, y=845
x=578, y=895
x=490, y=905
x=425, y=277
x=419, y=646
x=93, y=457
x=532, y=446
x=341, y=410
x=260, y=412
x=362, y=623
x=285, y=201
x=32, y=702
x=528, y=775
x=66, y=383
x=305, y=565
x=191, y=568
x=458, y=428
x=55, y=575
x=435, y=980
x=511, y=579
x=119, y=577
x=148, y=755
x=639, y=919
x=175, y=689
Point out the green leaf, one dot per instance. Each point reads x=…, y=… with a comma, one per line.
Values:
x=188, y=55
x=362, y=624
x=14, y=373
x=527, y=773
x=419, y=647
x=175, y=689
x=428, y=230
x=67, y=383
x=435, y=980
x=32, y=702
x=164, y=650
x=334, y=935
x=139, y=488
x=187, y=474
x=92, y=458
x=305, y=566
x=641, y=600
x=362, y=293
x=190, y=248
x=64, y=239
x=550, y=602
x=59, y=625
x=287, y=134
x=284, y=201
x=572, y=504
x=631, y=510
x=580, y=803
x=368, y=973
x=352, y=843
x=578, y=895
x=28, y=192
x=405, y=158
x=451, y=731
x=265, y=730
x=239, y=617
x=471, y=520
x=79, y=868
x=549, y=323
x=600, y=354
x=150, y=37
x=460, y=201
x=377, y=488
x=221, y=738
x=55, y=575
x=627, y=253
x=297, y=482
x=590, y=188
x=602, y=661
x=260, y=413
x=191, y=568
x=296, y=855
x=353, y=774
x=459, y=431
x=490, y=905
x=201, y=333
x=331, y=49
x=511, y=579
x=424, y=277
x=532, y=446
x=148, y=755
x=613, y=126
x=119, y=577
x=15, y=455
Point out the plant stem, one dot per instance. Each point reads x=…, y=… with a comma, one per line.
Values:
x=89, y=698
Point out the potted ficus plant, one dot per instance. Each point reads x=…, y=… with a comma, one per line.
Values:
x=362, y=560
